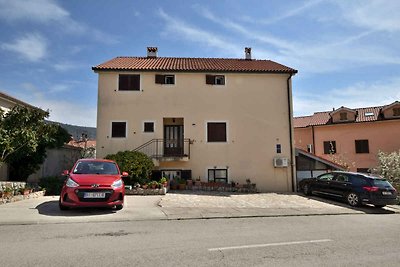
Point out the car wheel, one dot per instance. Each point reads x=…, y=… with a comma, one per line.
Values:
x=306, y=190
x=353, y=199
x=379, y=206
x=119, y=207
x=62, y=207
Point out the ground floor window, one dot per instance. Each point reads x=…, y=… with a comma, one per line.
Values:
x=218, y=175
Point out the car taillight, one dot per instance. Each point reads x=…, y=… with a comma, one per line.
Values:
x=371, y=188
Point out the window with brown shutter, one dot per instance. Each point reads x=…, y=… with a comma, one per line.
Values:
x=216, y=132
x=210, y=79
x=148, y=127
x=329, y=147
x=129, y=82
x=165, y=79
x=215, y=79
x=159, y=79
x=362, y=146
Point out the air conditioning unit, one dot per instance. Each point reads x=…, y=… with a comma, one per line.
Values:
x=281, y=162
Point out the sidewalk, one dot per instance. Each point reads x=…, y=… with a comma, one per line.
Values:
x=182, y=205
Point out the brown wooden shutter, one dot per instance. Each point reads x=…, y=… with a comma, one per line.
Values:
x=160, y=79
x=216, y=132
x=210, y=79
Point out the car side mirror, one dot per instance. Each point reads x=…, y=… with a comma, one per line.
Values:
x=65, y=173
x=125, y=174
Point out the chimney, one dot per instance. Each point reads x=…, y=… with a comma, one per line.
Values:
x=152, y=52
x=247, y=53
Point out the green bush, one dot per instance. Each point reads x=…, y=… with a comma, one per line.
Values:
x=52, y=184
x=137, y=164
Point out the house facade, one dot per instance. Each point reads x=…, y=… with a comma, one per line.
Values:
x=216, y=119
x=350, y=137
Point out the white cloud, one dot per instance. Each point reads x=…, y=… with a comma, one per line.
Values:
x=32, y=47
x=358, y=95
x=194, y=34
x=35, y=10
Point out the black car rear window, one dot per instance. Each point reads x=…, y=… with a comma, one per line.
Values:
x=381, y=183
x=359, y=181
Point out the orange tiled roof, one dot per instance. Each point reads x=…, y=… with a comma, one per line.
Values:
x=322, y=118
x=193, y=65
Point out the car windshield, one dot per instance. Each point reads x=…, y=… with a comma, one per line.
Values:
x=95, y=167
x=381, y=183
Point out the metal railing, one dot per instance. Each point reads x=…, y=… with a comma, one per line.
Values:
x=166, y=148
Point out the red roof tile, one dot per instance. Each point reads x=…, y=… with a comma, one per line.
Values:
x=193, y=65
x=322, y=118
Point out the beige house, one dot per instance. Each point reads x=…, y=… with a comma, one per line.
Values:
x=215, y=119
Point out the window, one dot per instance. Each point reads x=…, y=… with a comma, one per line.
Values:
x=309, y=148
x=358, y=180
x=369, y=114
x=129, y=82
x=148, y=127
x=118, y=129
x=216, y=132
x=165, y=79
x=396, y=112
x=218, y=175
x=363, y=170
x=325, y=177
x=329, y=147
x=278, y=148
x=362, y=146
x=343, y=116
x=215, y=79
x=341, y=178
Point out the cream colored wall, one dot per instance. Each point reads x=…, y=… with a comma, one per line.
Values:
x=255, y=107
x=350, y=116
x=388, y=113
x=381, y=135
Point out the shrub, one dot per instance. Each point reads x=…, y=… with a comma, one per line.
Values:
x=137, y=164
x=52, y=184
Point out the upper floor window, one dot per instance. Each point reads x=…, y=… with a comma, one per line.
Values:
x=362, y=146
x=129, y=82
x=118, y=129
x=165, y=79
x=216, y=132
x=343, y=116
x=329, y=147
x=215, y=79
x=396, y=112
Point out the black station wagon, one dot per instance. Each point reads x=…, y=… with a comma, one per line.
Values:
x=354, y=188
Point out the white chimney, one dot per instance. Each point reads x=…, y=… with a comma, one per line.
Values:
x=152, y=51
x=247, y=53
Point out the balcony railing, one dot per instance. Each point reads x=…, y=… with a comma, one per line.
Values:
x=166, y=148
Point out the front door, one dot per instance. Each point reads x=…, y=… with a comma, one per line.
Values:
x=173, y=140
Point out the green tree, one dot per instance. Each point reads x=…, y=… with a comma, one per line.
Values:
x=23, y=163
x=24, y=137
x=137, y=164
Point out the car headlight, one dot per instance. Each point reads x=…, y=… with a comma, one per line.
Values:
x=117, y=184
x=71, y=183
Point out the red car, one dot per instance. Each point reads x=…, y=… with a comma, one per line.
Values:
x=93, y=183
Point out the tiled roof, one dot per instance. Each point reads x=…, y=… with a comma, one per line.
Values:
x=15, y=100
x=322, y=118
x=193, y=65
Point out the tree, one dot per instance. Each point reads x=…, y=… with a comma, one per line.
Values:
x=24, y=138
x=389, y=166
x=137, y=164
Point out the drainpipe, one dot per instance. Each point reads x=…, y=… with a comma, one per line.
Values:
x=313, y=140
x=292, y=160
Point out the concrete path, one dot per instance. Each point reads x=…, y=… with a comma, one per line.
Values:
x=182, y=205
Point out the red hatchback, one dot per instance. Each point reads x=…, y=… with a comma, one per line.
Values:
x=93, y=183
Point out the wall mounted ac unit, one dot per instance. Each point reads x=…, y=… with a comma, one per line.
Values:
x=281, y=162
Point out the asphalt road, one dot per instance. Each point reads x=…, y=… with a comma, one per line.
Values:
x=340, y=240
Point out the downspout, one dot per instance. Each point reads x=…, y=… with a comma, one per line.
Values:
x=292, y=160
x=313, y=140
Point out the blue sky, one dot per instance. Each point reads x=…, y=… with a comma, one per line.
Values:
x=347, y=52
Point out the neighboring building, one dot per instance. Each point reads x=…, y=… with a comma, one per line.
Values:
x=218, y=119
x=350, y=137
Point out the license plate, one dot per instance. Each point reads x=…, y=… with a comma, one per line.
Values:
x=386, y=193
x=94, y=195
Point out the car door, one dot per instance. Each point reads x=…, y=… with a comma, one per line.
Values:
x=339, y=185
x=322, y=182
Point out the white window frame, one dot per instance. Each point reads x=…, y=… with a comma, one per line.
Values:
x=165, y=80
x=154, y=127
x=217, y=168
x=126, y=130
x=227, y=131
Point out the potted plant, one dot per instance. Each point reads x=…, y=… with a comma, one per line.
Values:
x=164, y=181
x=153, y=184
x=8, y=192
x=144, y=186
x=182, y=184
x=174, y=184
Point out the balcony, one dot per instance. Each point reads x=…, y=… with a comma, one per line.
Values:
x=167, y=149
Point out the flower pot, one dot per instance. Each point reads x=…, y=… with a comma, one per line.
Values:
x=182, y=186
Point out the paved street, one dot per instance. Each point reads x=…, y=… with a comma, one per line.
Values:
x=340, y=240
